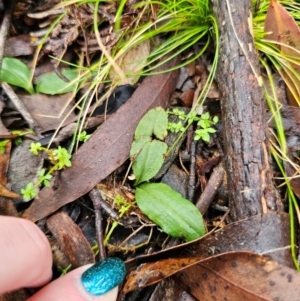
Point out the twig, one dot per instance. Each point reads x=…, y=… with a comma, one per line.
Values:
x=192, y=178
x=3, y=130
x=99, y=204
x=131, y=235
x=211, y=188
x=18, y=104
x=70, y=129
x=97, y=199
x=5, y=26
x=181, y=163
x=46, y=13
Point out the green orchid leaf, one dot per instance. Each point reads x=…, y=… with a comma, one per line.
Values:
x=154, y=122
x=51, y=83
x=137, y=146
x=16, y=73
x=149, y=160
x=177, y=216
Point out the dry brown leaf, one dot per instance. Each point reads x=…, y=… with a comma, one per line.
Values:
x=4, y=163
x=7, y=206
x=4, y=192
x=49, y=111
x=246, y=276
x=258, y=234
x=70, y=239
x=4, y=133
x=19, y=46
x=282, y=28
x=132, y=63
x=293, y=174
x=151, y=273
x=234, y=275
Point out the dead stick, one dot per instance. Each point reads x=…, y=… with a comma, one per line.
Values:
x=97, y=200
x=18, y=104
x=70, y=129
x=4, y=131
x=210, y=189
x=5, y=26
x=192, y=177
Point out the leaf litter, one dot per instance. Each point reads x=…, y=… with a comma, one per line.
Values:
x=87, y=170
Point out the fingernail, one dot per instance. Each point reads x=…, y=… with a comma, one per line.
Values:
x=104, y=276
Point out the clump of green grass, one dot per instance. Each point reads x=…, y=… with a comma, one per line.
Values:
x=273, y=59
x=172, y=27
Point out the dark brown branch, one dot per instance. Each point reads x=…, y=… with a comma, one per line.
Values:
x=250, y=186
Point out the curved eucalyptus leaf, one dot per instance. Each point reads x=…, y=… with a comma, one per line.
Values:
x=177, y=216
x=16, y=73
x=51, y=83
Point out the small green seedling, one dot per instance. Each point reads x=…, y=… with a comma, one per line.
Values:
x=95, y=248
x=176, y=127
x=179, y=113
x=84, y=137
x=35, y=148
x=206, y=127
x=3, y=144
x=204, y=123
x=29, y=192
x=21, y=133
x=44, y=178
x=64, y=271
x=123, y=206
x=18, y=141
x=177, y=216
x=60, y=158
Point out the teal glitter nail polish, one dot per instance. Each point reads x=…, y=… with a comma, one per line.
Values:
x=104, y=276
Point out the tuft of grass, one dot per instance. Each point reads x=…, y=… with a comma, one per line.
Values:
x=273, y=59
x=284, y=64
x=172, y=27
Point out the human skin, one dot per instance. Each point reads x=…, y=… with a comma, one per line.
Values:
x=26, y=261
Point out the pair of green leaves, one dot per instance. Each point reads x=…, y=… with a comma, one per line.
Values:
x=147, y=153
x=16, y=73
x=177, y=216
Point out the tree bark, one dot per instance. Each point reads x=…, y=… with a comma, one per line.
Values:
x=250, y=186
